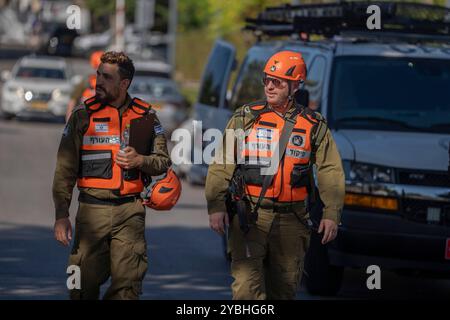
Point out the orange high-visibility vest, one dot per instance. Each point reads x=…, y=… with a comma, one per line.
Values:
x=291, y=180
x=89, y=91
x=101, y=143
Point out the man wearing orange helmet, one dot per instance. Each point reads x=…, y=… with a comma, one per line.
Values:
x=86, y=88
x=267, y=256
x=94, y=154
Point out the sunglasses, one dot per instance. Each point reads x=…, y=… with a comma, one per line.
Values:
x=276, y=82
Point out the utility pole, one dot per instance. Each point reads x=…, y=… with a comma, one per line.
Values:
x=144, y=18
x=172, y=31
x=120, y=25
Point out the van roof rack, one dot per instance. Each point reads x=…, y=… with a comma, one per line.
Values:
x=406, y=20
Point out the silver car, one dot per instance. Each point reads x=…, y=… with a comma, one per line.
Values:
x=164, y=96
x=37, y=87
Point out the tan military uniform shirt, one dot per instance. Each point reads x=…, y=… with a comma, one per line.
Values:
x=330, y=177
x=68, y=160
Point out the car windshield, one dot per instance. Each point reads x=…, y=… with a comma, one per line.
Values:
x=401, y=94
x=157, y=88
x=34, y=72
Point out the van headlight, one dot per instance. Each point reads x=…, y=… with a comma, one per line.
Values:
x=367, y=173
x=366, y=187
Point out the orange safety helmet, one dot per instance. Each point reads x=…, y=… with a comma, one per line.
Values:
x=95, y=59
x=287, y=65
x=164, y=193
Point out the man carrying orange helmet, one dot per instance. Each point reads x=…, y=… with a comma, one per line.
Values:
x=98, y=153
x=267, y=257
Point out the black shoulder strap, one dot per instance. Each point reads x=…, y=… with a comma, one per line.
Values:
x=284, y=139
x=79, y=107
x=90, y=103
x=143, y=107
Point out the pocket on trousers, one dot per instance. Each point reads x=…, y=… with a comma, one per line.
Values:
x=140, y=252
x=300, y=175
x=96, y=164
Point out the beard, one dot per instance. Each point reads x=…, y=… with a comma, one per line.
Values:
x=104, y=96
x=277, y=100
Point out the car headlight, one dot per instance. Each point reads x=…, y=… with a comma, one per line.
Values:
x=367, y=173
x=58, y=94
x=18, y=91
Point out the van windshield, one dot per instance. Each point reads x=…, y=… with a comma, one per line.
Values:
x=380, y=93
x=248, y=87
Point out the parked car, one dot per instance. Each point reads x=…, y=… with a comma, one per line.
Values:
x=152, y=68
x=164, y=96
x=37, y=87
x=386, y=98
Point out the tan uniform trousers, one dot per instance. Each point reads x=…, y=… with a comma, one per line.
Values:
x=110, y=241
x=268, y=262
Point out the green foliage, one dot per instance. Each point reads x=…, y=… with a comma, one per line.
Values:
x=101, y=8
x=193, y=14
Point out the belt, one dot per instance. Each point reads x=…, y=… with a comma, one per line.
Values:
x=306, y=221
x=283, y=209
x=86, y=198
x=289, y=207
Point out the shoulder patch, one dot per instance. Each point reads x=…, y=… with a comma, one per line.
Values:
x=159, y=129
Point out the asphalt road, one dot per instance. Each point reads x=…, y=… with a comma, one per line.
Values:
x=185, y=256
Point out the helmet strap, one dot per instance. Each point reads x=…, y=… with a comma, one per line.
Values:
x=290, y=94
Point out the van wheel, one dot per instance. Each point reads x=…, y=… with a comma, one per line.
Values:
x=320, y=277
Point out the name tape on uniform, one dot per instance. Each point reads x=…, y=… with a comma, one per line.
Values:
x=298, y=154
x=101, y=140
x=259, y=146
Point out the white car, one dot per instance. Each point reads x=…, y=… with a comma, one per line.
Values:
x=37, y=87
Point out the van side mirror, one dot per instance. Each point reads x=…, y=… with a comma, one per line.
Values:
x=301, y=96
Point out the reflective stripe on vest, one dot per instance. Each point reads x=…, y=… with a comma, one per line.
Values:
x=260, y=145
x=100, y=145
